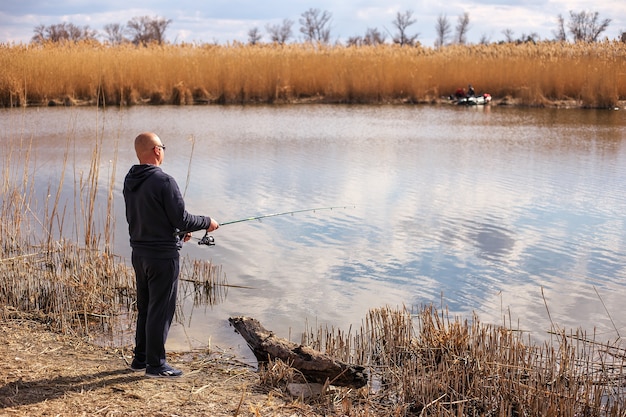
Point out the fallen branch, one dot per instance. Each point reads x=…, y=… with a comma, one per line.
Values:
x=314, y=365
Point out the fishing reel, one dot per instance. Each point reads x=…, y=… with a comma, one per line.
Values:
x=207, y=240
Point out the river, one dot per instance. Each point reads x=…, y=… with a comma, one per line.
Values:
x=516, y=214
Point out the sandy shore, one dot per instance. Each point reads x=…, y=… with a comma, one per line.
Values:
x=48, y=374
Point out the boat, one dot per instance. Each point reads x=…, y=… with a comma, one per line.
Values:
x=474, y=100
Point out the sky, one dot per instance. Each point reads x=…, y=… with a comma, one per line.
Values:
x=223, y=21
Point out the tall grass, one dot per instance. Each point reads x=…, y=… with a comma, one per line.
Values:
x=426, y=364
x=592, y=74
x=44, y=271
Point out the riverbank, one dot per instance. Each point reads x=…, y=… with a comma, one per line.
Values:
x=442, y=101
x=456, y=367
x=47, y=374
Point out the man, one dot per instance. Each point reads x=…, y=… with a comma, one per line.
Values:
x=155, y=212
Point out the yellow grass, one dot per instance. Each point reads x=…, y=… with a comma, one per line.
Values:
x=425, y=363
x=592, y=74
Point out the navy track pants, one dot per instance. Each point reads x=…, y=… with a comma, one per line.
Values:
x=157, y=287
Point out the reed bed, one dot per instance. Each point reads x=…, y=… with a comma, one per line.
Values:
x=44, y=272
x=546, y=73
x=427, y=364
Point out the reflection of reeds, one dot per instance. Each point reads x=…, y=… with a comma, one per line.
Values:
x=431, y=365
x=202, y=280
x=534, y=74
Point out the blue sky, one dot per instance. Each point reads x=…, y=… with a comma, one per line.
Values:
x=222, y=21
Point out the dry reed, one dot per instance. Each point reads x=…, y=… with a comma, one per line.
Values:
x=589, y=74
x=42, y=272
x=430, y=365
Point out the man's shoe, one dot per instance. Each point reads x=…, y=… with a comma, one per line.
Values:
x=137, y=366
x=164, y=371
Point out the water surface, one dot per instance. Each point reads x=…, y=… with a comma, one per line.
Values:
x=504, y=212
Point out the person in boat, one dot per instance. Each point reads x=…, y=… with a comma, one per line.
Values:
x=155, y=212
x=470, y=91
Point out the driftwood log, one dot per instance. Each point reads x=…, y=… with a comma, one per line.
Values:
x=314, y=365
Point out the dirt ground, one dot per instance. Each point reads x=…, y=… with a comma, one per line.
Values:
x=48, y=374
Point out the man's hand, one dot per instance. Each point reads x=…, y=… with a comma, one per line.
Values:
x=213, y=226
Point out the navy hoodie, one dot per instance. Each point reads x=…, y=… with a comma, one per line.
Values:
x=155, y=211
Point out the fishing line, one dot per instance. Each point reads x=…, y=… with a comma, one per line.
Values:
x=210, y=241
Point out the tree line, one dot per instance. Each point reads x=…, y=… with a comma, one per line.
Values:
x=139, y=31
x=315, y=26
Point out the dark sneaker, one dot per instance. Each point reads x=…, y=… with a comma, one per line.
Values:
x=164, y=371
x=137, y=366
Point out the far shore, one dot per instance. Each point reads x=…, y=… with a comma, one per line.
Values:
x=442, y=101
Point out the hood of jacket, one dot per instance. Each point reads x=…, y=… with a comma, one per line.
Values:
x=138, y=174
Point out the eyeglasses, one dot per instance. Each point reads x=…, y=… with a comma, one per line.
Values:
x=160, y=146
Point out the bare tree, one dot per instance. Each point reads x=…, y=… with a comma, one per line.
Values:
x=402, y=22
x=442, y=29
x=159, y=26
x=254, y=36
x=61, y=32
x=315, y=25
x=585, y=26
x=355, y=40
x=146, y=29
x=374, y=37
x=114, y=33
x=40, y=32
x=559, y=34
x=462, y=27
x=280, y=33
x=508, y=35
x=532, y=37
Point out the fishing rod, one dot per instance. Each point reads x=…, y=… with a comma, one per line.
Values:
x=210, y=241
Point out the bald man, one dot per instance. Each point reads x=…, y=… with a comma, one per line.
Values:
x=155, y=212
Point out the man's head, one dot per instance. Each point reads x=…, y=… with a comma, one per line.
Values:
x=149, y=149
